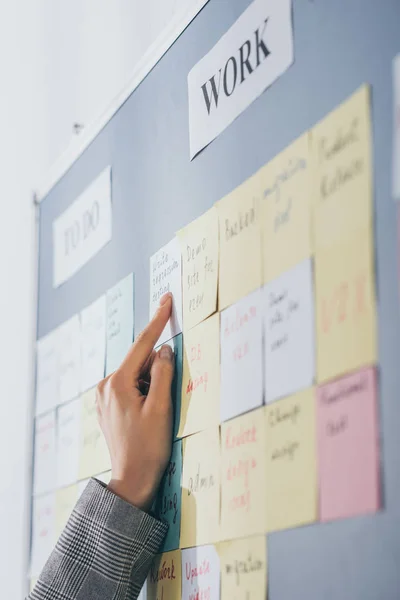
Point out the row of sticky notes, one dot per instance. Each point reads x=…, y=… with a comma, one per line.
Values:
x=233, y=570
x=69, y=445
x=50, y=514
x=76, y=356
x=308, y=457
x=314, y=199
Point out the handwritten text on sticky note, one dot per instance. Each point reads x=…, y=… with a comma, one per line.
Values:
x=120, y=322
x=243, y=475
x=45, y=453
x=244, y=568
x=69, y=340
x=93, y=319
x=68, y=442
x=164, y=579
x=47, y=372
x=94, y=456
x=200, y=573
x=168, y=506
x=241, y=356
x=199, y=247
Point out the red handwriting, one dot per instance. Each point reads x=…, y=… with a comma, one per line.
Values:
x=240, y=351
x=244, y=436
x=196, y=571
x=241, y=501
x=193, y=384
x=347, y=300
x=195, y=353
x=166, y=571
x=201, y=594
x=239, y=320
x=241, y=468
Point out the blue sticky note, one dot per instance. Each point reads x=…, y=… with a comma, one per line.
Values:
x=168, y=505
x=177, y=345
x=120, y=322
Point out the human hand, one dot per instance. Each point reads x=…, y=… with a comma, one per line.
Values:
x=137, y=424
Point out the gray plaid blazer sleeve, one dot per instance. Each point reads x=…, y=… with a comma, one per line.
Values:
x=104, y=552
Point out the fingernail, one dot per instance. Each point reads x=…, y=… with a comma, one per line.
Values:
x=166, y=353
x=165, y=298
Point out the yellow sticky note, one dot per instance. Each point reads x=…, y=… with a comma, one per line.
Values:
x=243, y=485
x=240, y=242
x=291, y=467
x=94, y=456
x=200, y=378
x=199, y=246
x=286, y=209
x=200, y=489
x=244, y=569
x=164, y=581
x=345, y=306
x=341, y=146
x=32, y=584
x=66, y=498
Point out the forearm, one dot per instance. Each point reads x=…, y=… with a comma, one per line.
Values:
x=104, y=552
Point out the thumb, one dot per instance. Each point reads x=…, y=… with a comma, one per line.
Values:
x=162, y=373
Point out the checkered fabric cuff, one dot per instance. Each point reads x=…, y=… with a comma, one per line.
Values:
x=105, y=550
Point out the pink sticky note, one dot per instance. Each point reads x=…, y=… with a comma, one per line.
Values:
x=348, y=458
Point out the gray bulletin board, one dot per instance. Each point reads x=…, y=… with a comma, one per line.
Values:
x=339, y=44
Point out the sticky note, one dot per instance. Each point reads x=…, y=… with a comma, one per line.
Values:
x=166, y=276
x=289, y=321
x=120, y=323
x=200, y=379
x=176, y=388
x=243, y=483
x=32, y=584
x=345, y=307
x=93, y=320
x=82, y=486
x=69, y=340
x=66, y=498
x=244, y=569
x=94, y=457
x=143, y=592
x=291, y=462
x=200, y=489
x=164, y=581
x=168, y=505
x=199, y=247
x=44, y=478
x=200, y=573
x=43, y=532
x=241, y=356
x=348, y=446
x=341, y=147
x=240, y=242
x=104, y=477
x=286, y=209
x=47, y=375
x=68, y=442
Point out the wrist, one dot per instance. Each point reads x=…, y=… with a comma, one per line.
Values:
x=143, y=500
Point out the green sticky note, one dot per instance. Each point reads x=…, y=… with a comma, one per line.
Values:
x=176, y=391
x=168, y=504
x=120, y=322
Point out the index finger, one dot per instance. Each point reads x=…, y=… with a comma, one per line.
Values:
x=143, y=346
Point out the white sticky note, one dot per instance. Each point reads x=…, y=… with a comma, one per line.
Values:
x=69, y=339
x=47, y=376
x=200, y=573
x=68, y=438
x=44, y=478
x=289, y=332
x=43, y=531
x=396, y=127
x=120, y=322
x=252, y=54
x=81, y=231
x=166, y=276
x=241, y=356
x=82, y=486
x=93, y=321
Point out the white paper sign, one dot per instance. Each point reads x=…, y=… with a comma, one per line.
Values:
x=47, y=376
x=396, y=128
x=45, y=453
x=200, y=573
x=255, y=51
x=83, y=229
x=68, y=442
x=241, y=356
x=120, y=322
x=70, y=359
x=93, y=322
x=43, y=531
x=289, y=332
x=166, y=276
